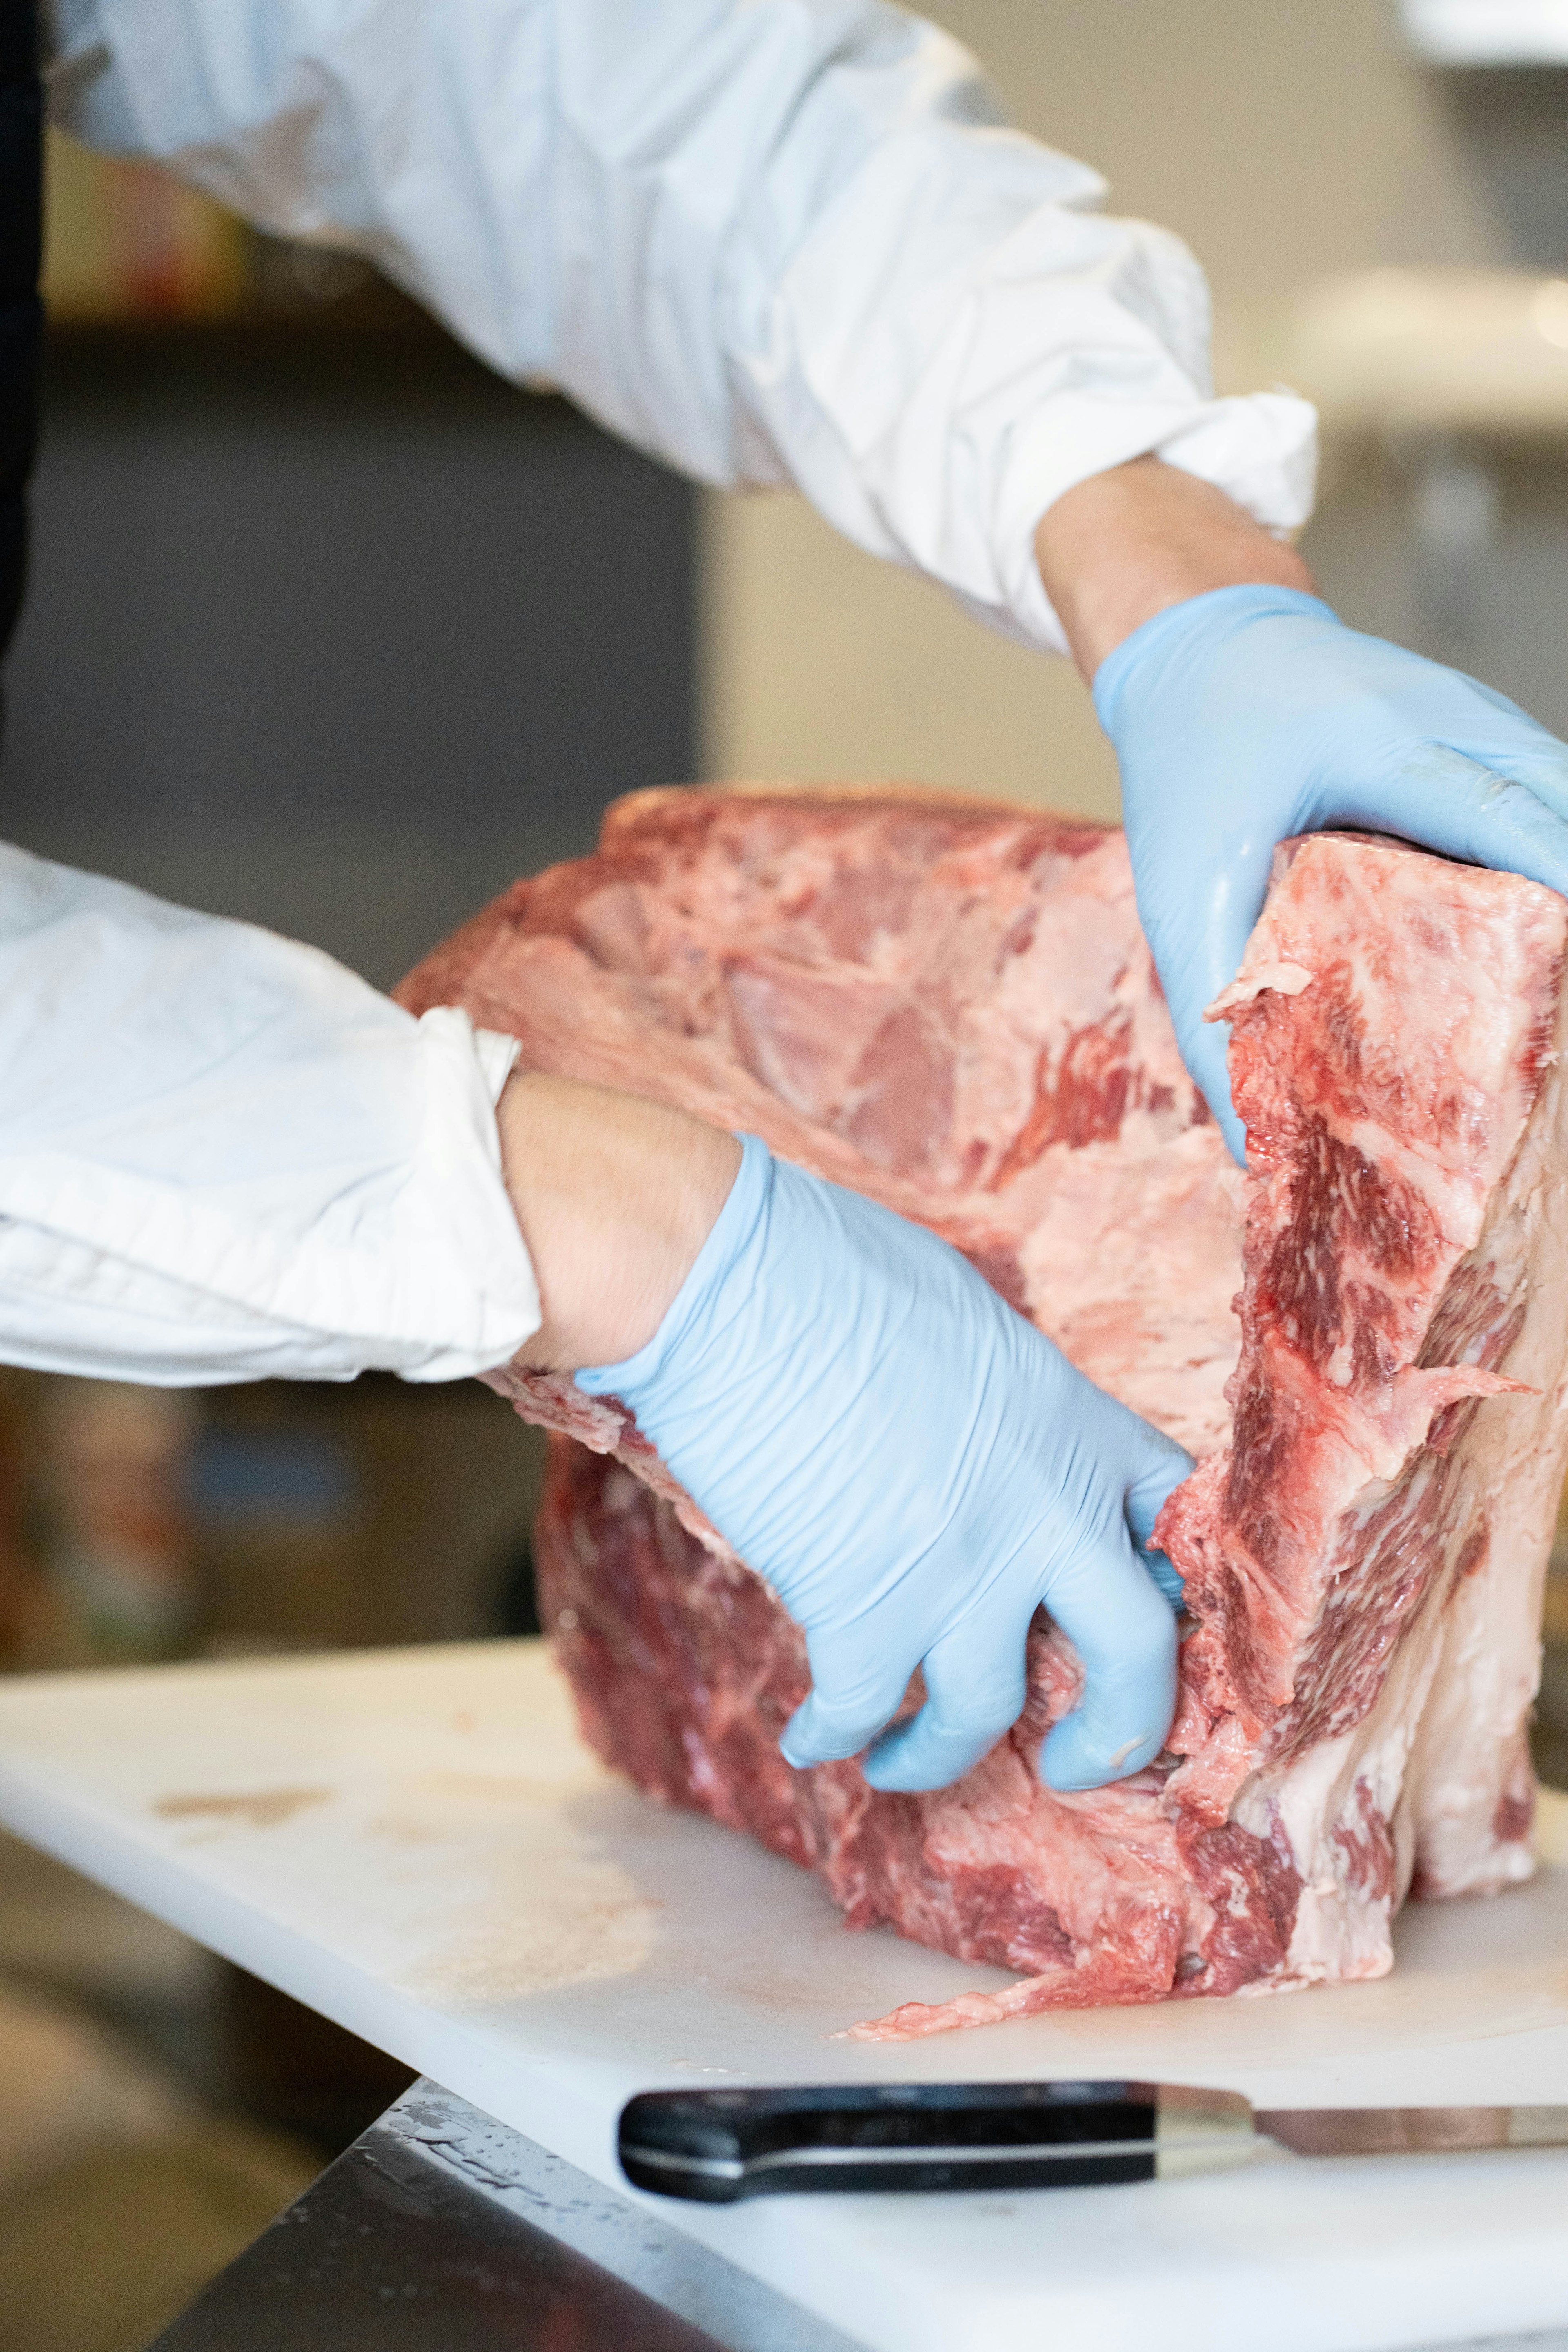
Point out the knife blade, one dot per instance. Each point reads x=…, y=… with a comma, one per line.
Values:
x=719, y=2146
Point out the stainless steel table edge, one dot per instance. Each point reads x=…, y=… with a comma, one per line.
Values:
x=440, y=2226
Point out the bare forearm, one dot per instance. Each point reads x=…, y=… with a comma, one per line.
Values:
x=616, y=1196
x=1125, y=545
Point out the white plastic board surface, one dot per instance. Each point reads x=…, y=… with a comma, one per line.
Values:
x=417, y=1844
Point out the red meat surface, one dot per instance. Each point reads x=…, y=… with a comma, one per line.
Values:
x=948, y=1004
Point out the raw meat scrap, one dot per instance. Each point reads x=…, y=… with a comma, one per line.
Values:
x=949, y=1005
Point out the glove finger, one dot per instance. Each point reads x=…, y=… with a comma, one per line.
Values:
x=1198, y=944
x=850, y=1700
x=1539, y=763
x=1509, y=741
x=1463, y=808
x=1125, y=1636
x=975, y=1689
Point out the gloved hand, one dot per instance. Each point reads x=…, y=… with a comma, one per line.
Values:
x=912, y=1467
x=1249, y=714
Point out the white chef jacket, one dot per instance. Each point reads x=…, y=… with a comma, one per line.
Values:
x=768, y=240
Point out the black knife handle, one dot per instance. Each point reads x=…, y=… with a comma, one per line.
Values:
x=718, y=2146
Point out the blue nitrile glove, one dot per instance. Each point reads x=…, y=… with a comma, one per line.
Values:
x=913, y=1468
x=1246, y=715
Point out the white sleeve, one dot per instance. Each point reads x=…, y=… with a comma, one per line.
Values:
x=222, y=1156
x=769, y=241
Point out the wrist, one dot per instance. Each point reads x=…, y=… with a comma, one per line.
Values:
x=616, y=1196
x=1144, y=677
x=1130, y=543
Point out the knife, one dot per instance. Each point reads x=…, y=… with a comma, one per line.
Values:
x=718, y=2146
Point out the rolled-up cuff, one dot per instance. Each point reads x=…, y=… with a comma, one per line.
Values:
x=337, y=1265
x=1260, y=448
x=476, y=1288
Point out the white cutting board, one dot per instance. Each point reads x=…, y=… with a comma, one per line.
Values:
x=416, y=1844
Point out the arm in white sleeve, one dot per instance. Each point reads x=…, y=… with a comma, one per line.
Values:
x=222, y=1156
x=769, y=241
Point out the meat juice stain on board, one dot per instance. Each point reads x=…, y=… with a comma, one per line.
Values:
x=259, y=1809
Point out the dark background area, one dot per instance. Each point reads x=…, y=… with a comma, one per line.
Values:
x=331, y=628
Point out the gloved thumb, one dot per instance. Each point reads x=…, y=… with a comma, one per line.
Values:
x=1197, y=946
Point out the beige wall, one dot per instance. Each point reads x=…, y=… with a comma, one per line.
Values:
x=1283, y=138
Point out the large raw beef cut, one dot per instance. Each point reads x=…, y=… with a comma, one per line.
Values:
x=949, y=1005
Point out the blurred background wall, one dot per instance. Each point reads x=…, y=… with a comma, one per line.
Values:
x=1286, y=144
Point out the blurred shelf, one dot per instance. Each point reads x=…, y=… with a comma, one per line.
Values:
x=372, y=345
x=1393, y=355
x=1488, y=32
